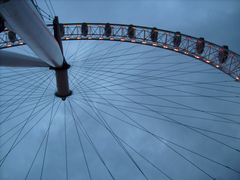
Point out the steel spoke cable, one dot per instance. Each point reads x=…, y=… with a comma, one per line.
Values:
x=21, y=75
x=49, y=10
x=39, y=148
x=44, y=137
x=116, y=139
x=83, y=49
x=15, y=133
x=23, y=110
x=107, y=64
x=164, y=87
x=89, y=55
x=157, y=105
x=117, y=52
x=96, y=58
x=102, y=97
x=30, y=85
x=107, y=127
x=28, y=118
x=29, y=130
x=24, y=99
x=170, y=66
x=83, y=56
x=47, y=139
x=164, y=95
x=81, y=144
x=95, y=88
x=113, y=55
x=164, y=56
x=51, y=6
x=140, y=127
x=129, y=62
x=84, y=131
x=91, y=74
x=41, y=11
x=122, y=72
x=164, y=67
x=182, y=156
x=98, y=62
x=146, y=130
x=19, y=123
x=174, y=120
x=138, y=81
x=80, y=56
x=65, y=141
x=158, y=97
x=121, y=94
x=20, y=80
x=187, y=160
x=209, y=88
x=134, y=75
x=105, y=123
x=74, y=55
x=174, y=108
x=205, y=71
x=137, y=109
x=126, y=74
x=166, y=80
x=213, y=83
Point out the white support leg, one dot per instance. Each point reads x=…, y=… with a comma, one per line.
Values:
x=24, y=19
x=10, y=59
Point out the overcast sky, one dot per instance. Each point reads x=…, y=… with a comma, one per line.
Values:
x=215, y=20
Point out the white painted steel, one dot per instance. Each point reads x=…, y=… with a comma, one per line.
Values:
x=23, y=18
x=10, y=59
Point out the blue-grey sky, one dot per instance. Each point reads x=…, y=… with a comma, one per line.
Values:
x=216, y=20
x=156, y=95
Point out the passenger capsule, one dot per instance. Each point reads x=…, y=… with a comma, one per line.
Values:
x=62, y=30
x=223, y=54
x=154, y=35
x=84, y=29
x=12, y=36
x=131, y=31
x=177, y=39
x=108, y=30
x=200, y=45
x=2, y=25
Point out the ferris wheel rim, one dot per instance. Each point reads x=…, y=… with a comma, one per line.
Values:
x=143, y=35
x=233, y=169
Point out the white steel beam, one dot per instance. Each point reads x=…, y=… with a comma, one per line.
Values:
x=23, y=18
x=10, y=59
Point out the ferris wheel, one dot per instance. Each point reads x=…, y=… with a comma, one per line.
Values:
x=113, y=101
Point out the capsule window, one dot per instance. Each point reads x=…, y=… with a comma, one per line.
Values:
x=2, y=25
x=12, y=36
x=108, y=30
x=84, y=29
x=223, y=54
x=154, y=35
x=177, y=39
x=131, y=31
x=200, y=45
x=61, y=29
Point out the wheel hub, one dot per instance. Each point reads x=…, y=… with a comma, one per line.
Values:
x=62, y=84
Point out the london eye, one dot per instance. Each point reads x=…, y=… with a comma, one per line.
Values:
x=105, y=100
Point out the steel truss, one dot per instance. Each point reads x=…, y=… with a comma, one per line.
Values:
x=144, y=35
